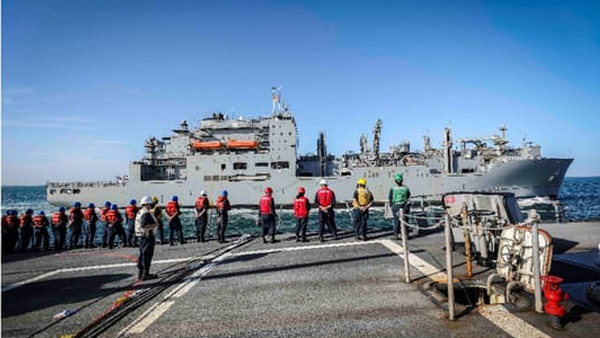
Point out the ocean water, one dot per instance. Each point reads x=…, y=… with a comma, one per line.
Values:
x=580, y=198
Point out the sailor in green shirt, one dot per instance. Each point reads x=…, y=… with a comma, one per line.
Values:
x=398, y=198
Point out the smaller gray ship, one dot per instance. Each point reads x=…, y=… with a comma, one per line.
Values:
x=244, y=156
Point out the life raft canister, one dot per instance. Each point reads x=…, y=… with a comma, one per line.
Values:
x=171, y=208
x=265, y=205
x=300, y=210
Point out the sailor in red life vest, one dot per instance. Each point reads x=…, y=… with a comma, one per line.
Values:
x=301, y=209
x=105, y=230
x=26, y=229
x=75, y=225
x=172, y=211
x=10, y=231
x=40, y=231
x=130, y=211
x=325, y=200
x=223, y=208
x=59, y=228
x=91, y=218
x=201, y=211
x=267, y=215
x=115, y=226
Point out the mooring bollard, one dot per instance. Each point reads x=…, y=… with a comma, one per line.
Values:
x=535, y=219
x=404, y=246
x=449, y=269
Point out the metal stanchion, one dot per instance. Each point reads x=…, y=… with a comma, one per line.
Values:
x=467, y=237
x=537, y=284
x=449, y=269
x=404, y=246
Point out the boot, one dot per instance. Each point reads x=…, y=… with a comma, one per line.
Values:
x=148, y=275
x=264, y=239
x=272, y=240
x=140, y=274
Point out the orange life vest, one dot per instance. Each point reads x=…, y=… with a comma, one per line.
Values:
x=130, y=211
x=88, y=214
x=325, y=197
x=103, y=213
x=300, y=210
x=8, y=221
x=171, y=208
x=265, y=205
x=24, y=219
x=38, y=221
x=113, y=216
x=200, y=202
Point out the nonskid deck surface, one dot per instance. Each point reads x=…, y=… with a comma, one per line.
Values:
x=342, y=288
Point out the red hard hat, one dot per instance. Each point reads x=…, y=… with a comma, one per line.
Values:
x=268, y=190
x=301, y=190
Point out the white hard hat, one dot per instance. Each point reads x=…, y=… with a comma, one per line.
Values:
x=203, y=193
x=146, y=200
x=322, y=182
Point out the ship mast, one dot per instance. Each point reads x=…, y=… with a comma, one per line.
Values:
x=376, y=139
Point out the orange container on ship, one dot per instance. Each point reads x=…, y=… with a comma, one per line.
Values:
x=207, y=145
x=233, y=144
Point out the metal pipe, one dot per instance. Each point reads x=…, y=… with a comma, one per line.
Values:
x=404, y=246
x=467, y=241
x=509, y=288
x=490, y=281
x=537, y=283
x=449, y=269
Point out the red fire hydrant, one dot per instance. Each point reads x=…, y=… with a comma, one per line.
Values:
x=554, y=295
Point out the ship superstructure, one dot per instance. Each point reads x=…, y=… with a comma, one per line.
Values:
x=244, y=156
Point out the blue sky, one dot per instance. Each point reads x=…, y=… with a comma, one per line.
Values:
x=84, y=83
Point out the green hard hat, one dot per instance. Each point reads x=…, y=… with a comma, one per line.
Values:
x=398, y=177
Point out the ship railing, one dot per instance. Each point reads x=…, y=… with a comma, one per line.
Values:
x=97, y=184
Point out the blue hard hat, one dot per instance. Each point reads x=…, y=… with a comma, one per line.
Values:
x=133, y=202
x=61, y=209
x=107, y=204
x=114, y=207
x=29, y=211
x=42, y=213
x=174, y=198
x=8, y=212
x=224, y=193
x=77, y=204
x=14, y=212
x=91, y=205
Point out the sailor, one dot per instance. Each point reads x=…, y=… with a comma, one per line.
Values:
x=325, y=200
x=105, y=230
x=130, y=211
x=75, y=225
x=223, y=208
x=172, y=211
x=115, y=226
x=157, y=211
x=91, y=218
x=301, y=209
x=267, y=214
x=26, y=229
x=362, y=202
x=201, y=212
x=145, y=224
x=59, y=228
x=398, y=197
x=10, y=231
x=40, y=227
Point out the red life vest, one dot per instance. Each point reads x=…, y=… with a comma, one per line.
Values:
x=103, y=213
x=8, y=221
x=265, y=205
x=38, y=221
x=113, y=216
x=130, y=211
x=300, y=210
x=171, y=208
x=221, y=203
x=200, y=202
x=24, y=219
x=88, y=214
x=325, y=197
x=56, y=217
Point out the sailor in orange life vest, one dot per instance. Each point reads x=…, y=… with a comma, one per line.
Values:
x=362, y=202
x=26, y=229
x=115, y=226
x=325, y=200
x=40, y=231
x=145, y=223
x=130, y=211
x=10, y=231
x=172, y=211
x=91, y=218
x=75, y=225
x=223, y=208
x=301, y=209
x=267, y=215
x=201, y=211
x=103, y=212
x=59, y=228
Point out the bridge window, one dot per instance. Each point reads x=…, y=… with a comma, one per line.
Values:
x=240, y=166
x=280, y=165
x=261, y=164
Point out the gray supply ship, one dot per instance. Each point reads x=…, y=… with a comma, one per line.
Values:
x=244, y=156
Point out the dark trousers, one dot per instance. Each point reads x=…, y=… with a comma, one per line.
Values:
x=105, y=234
x=360, y=223
x=201, y=223
x=161, y=232
x=41, y=234
x=222, y=221
x=268, y=225
x=75, y=235
x=26, y=237
x=301, y=228
x=329, y=219
x=116, y=229
x=146, y=252
x=10, y=238
x=91, y=234
x=60, y=234
x=133, y=240
x=175, y=227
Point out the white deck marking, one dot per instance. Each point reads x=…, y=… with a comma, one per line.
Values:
x=31, y=280
x=509, y=323
x=150, y=317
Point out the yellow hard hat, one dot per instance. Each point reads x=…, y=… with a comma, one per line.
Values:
x=362, y=181
x=154, y=199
